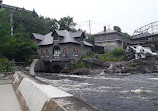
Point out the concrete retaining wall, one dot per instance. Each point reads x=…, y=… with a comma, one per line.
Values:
x=34, y=95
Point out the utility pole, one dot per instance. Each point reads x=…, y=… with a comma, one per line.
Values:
x=1, y=1
x=89, y=26
x=11, y=21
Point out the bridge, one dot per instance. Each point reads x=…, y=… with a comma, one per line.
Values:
x=147, y=36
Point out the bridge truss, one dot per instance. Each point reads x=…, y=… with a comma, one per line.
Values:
x=147, y=30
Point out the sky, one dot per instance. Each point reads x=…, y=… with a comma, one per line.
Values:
x=129, y=15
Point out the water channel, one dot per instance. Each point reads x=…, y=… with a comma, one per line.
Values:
x=110, y=92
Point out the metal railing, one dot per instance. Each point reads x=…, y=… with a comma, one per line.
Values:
x=58, y=57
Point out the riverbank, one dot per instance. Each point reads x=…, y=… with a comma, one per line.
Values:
x=134, y=66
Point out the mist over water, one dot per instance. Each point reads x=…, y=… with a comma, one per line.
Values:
x=116, y=92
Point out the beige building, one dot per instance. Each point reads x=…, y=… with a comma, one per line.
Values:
x=110, y=39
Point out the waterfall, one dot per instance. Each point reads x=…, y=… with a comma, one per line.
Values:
x=140, y=52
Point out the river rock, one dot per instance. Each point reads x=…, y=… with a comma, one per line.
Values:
x=94, y=61
x=143, y=65
x=87, y=71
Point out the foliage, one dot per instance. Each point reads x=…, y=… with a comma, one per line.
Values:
x=115, y=55
x=109, y=57
x=5, y=65
x=67, y=23
x=19, y=46
x=39, y=24
x=118, y=29
x=118, y=52
x=90, y=39
x=78, y=65
x=126, y=35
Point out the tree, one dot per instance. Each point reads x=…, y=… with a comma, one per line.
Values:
x=19, y=46
x=117, y=28
x=67, y=23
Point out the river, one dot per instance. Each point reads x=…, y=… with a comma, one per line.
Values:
x=110, y=92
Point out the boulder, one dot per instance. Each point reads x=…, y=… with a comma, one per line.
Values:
x=143, y=65
x=94, y=61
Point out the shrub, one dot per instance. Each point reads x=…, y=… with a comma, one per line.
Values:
x=5, y=65
x=118, y=52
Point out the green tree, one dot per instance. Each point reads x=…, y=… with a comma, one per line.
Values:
x=124, y=34
x=18, y=46
x=117, y=28
x=67, y=23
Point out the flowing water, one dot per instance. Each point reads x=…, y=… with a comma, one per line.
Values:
x=111, y=92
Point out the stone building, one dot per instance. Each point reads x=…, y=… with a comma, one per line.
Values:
x=60, y=47
x=110, y=39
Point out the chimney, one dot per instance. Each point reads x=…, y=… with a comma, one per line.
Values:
x=104, y=28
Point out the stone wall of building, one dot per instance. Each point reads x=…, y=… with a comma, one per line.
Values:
x=81, y=50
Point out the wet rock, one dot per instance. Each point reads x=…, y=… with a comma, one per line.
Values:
x=143, y=65
x=86, y=71
x=94, y=61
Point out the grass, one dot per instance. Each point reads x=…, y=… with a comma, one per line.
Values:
x=115, y=56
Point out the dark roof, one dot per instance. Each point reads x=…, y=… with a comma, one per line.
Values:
x=68, y=37
x=38, y=36
x=87, y=44
x=108, y=31
x=43, y=39
x=13, y=7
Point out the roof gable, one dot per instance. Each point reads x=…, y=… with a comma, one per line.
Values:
x=68, y=36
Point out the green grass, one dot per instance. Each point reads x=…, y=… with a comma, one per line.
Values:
x=115, y=55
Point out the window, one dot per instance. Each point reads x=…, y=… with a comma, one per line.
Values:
x=75, y=52
x=42, y=53
x=65, y=51
x=56, y=52
x=47, y=52
x=55, y=37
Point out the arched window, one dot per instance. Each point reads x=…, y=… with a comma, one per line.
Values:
x=75, y=51
x=65, y=51
x=47, y=52
x=42, y=53
x=56, y=52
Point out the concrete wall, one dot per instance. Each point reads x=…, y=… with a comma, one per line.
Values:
x=34, y=95
x=107, y=37
x=110, y=45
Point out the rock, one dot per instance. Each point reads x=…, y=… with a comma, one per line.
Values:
x=94, y=61
x=143, y=65
x=87, y=71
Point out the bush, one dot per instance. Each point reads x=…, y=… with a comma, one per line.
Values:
x=118, y=52
x=115, y=55
x=5, y=65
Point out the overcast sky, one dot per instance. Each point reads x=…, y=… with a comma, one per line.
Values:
x=128, y=14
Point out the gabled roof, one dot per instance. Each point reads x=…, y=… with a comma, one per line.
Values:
x=108, y=31
x=87, y=44
x=38, y=36
x=44, y=39
x=68, y=37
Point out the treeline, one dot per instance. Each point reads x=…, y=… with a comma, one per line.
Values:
x=18, y=46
